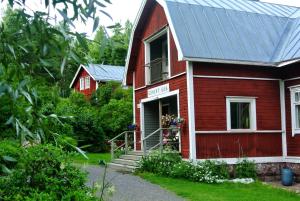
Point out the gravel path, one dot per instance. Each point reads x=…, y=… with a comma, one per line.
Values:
x=129, y=187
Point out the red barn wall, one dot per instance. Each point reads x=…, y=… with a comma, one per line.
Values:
x=210, y=112
x=86, y=92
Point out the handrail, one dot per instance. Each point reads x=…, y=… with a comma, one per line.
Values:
x=152, y=134
x=112, y=144
x=160, y=144
x=120, y=135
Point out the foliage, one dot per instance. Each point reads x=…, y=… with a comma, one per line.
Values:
x=110, y=50
x=44, y=172
x=245, y=169
x=189, y=190
x=10, y=152
x=115, y=116
x=84, y=121
x=170, y=164
x=33, y=52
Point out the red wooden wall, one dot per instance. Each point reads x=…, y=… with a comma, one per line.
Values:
x=154, y=21
x=210, y=112
x=76, y=85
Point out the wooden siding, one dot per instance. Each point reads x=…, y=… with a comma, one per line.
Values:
x=210, y=113
x=154, y=22
x=86, y=92
x=235, y=70
x=175, y=83
x=293, y=143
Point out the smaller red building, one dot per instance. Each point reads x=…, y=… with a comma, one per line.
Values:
x=88, y=78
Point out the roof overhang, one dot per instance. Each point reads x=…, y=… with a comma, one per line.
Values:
x=77, y=72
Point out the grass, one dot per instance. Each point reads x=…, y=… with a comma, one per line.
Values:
x=94, y=158
x=221, y=192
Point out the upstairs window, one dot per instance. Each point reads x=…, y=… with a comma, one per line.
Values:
x=157, y=57
x=81, y=83
x=241, y=113
x=87, y=82
x=295, y=110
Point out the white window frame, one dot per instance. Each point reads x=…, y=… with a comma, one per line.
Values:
x=252, y=113
x=81, y=83
x=147, y=42
x=87, y=81
x=293, y=91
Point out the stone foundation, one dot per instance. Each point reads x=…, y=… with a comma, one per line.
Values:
x=269, y=172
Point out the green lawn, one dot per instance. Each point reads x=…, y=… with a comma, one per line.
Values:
x=221, y=192
x=94, y=158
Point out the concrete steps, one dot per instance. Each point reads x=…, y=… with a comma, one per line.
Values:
x=127, y=163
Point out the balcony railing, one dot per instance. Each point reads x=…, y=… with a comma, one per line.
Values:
x=157, y=70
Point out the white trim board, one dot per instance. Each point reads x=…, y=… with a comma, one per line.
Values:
x=235, y=78
x=283, y=117
x=173, y=77
x=238, y=132
x=191, y=110
x=164, y=95
x=230, y=161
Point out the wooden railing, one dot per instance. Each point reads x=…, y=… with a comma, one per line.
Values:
x=160, y=144
x=122, y=138
x=157, y=72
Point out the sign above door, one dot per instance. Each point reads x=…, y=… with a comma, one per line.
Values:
x=156, y=91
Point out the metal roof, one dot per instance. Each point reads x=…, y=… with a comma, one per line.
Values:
x=101, y=72
x=106, y=72
x=235, y=30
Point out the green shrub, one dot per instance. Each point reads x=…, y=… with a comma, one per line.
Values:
x=10, y=152
x=245, y=169
x=44, y=172
x=115, y=117
x=170, y=164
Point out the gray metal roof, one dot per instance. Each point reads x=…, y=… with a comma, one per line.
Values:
x=106, y=72
x=235, y=30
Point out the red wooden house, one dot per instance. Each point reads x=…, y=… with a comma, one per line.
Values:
x=229, y=68
x=88, y=78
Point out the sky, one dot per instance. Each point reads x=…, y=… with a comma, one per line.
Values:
x=121, y=10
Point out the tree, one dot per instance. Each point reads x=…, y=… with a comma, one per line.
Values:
x=111, y=50
x=30, y=45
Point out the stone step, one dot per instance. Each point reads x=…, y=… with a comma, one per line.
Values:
x=131, y=157
x=137, y=153
x=121, y=167
x=126, y=162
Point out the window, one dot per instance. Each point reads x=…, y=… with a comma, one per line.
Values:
x=241, y=113
x=295, y=110
x=87, y=82
x=157, y=57
x=81, y=83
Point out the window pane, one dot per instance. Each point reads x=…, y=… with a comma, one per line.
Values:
x=240, y=115
x=87, y=82
x=297, y=116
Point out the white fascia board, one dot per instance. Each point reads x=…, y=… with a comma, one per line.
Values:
x=167, y=13
x=137, y=19
x=77, y=72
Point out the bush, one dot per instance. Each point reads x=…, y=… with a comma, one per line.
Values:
x=171, y=164
x=115, y=117
x=86, y=128
x=245, y=169
x=44, y=172
x=10, y=152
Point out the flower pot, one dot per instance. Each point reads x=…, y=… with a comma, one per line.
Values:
x=287, y=177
